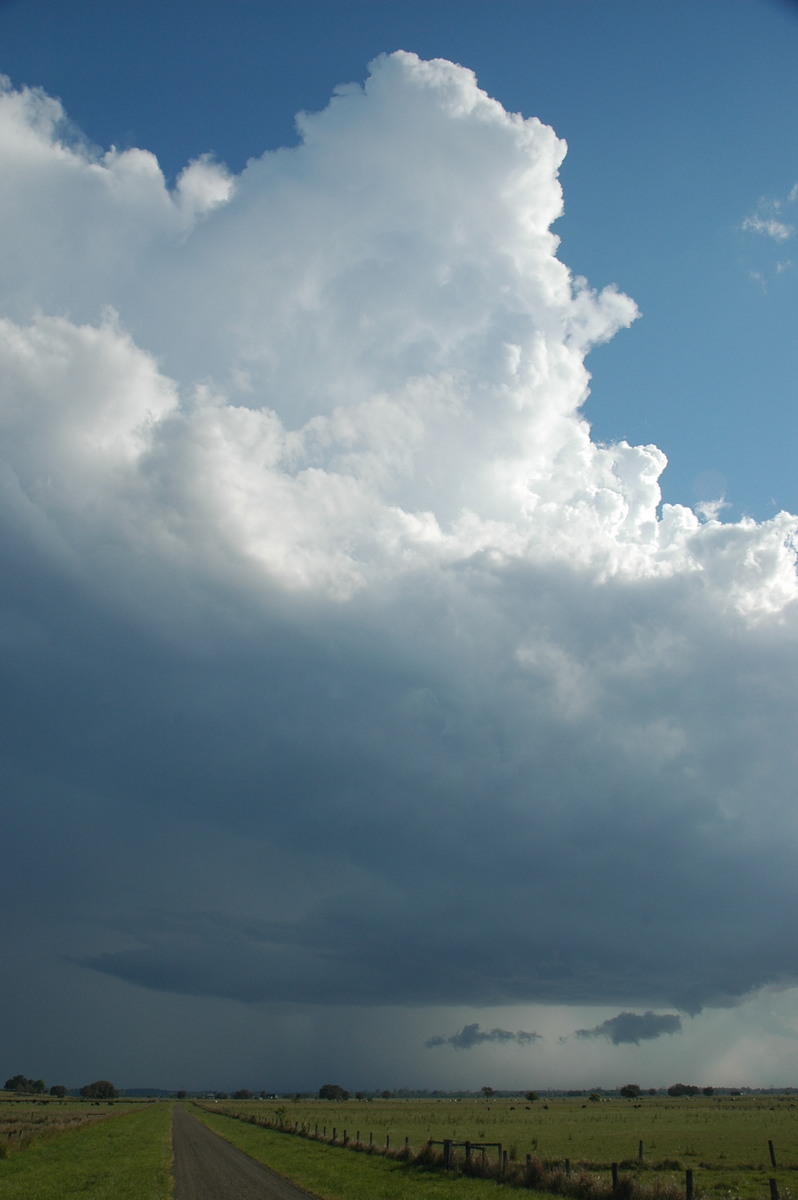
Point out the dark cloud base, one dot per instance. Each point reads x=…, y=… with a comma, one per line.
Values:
x=471, y=1035
x=633, y=1028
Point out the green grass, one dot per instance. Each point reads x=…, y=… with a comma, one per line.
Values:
x=724, y=1140
x=128, y=1156
x=22, y=1123
x=337, y=1174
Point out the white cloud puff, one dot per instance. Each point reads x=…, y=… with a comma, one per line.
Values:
x=203, y=185
x=769, y=226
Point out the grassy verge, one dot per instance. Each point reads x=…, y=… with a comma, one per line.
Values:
x=337, y=1174
x=125, y=1157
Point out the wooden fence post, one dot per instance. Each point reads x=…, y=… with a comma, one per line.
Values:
x=387, y=1141
x=772, y=1154
x=468, y=1152
x=688, y=1184
x=774, y=1189
x=568, y=1167
x=614, y=1169
x=447, y=1153
x=640, y=1151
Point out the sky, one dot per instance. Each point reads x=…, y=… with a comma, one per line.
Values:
x=399, y=620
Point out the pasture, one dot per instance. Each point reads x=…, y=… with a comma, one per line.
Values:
x=122, y=1151
x=119, y=1152
x=722, y=1139
x=24, y=1121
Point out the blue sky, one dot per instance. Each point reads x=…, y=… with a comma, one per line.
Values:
x=366, y=700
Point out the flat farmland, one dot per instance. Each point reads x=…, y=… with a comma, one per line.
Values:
x=723, y=1140
x=119, y=1152
x=25, y=1121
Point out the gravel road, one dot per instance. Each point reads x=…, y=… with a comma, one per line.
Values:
x=209, y=1168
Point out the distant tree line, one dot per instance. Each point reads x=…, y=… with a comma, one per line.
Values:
x=101, y=1089
x=630, y=1091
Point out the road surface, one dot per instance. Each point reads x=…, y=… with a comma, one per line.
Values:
x=209, y=1168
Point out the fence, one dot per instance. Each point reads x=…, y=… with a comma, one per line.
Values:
x=533, y=1175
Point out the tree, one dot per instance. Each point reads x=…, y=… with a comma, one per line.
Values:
x=101, y=1089
x=331, y=1091
x=487, y=1092
x=630, y=1091
x=242, y=1094
x=708, y=1091
x=531, y=1096
x=683, y=1089
x=24, y=1086
x=58, y=1090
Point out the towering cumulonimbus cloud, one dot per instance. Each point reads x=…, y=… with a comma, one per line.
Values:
x=365, y=346
x=309, y=549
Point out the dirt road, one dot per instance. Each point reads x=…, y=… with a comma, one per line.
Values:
x=209, y=1168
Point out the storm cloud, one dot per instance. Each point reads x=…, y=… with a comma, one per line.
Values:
x=340, y=660
x=634, y=1028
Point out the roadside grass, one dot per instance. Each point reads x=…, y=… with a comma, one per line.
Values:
x=127, y=1156
x=334, y=1174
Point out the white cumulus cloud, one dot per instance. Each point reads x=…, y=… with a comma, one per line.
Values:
x=769, y=226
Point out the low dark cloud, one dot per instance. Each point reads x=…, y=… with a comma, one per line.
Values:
x=633, y=1028
x=471, y=1035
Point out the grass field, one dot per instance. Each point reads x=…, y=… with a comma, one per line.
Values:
x=123, y=1152
x=25, y=1121
x=127, y=1155
x=724, y=1140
